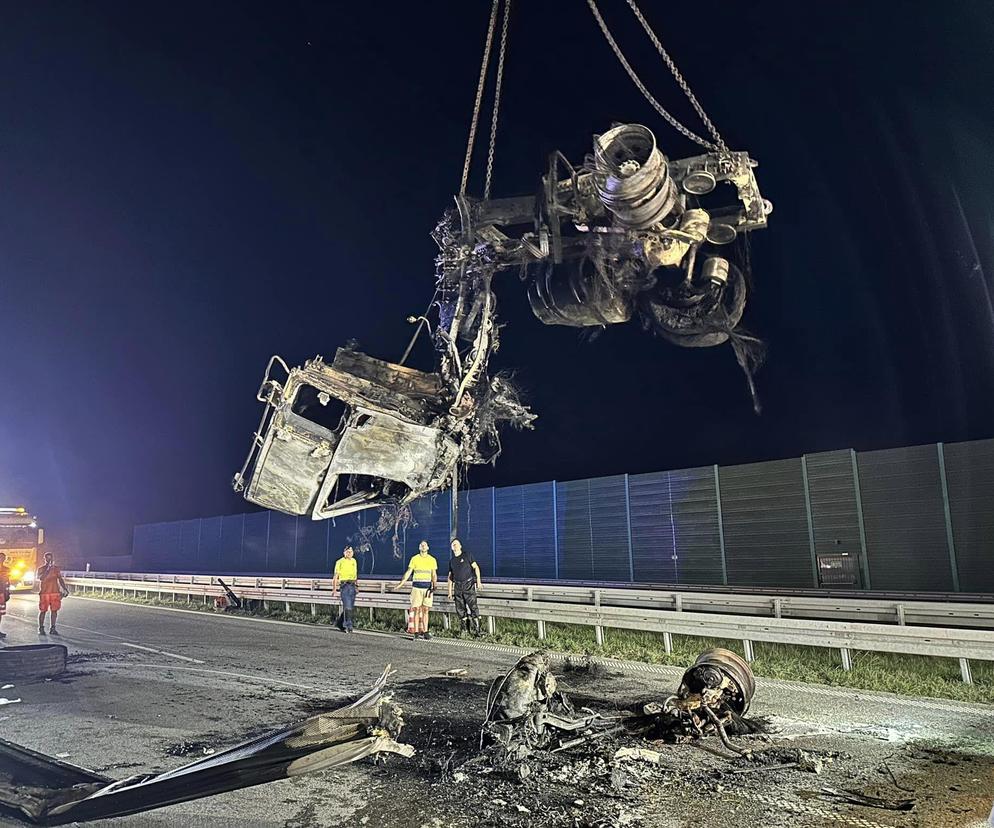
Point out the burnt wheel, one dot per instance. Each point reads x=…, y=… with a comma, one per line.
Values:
x=695, y=318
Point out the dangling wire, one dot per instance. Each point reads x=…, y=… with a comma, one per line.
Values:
x=670, y=119
x=479, y=96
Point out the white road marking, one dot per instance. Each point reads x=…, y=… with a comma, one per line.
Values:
x=162, y=652
x=115, y=637
x=297, y=625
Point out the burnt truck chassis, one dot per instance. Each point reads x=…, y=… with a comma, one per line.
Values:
x=527, y=712
x=627, y=233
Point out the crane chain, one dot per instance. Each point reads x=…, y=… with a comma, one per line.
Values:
x=672, y=121
x=678, y=77
x=479, y=97
x=497, y=88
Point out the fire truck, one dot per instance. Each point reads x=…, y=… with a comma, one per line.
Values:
x=20, y=538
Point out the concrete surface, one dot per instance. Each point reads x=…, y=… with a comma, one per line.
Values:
x=150, y=689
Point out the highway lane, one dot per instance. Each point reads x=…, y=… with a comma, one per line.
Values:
x=150, y=689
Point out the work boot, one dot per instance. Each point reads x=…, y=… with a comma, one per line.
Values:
x=476, y=626
x=3, y=635
x=53, y=631
x=426, y=635
x=41, y=631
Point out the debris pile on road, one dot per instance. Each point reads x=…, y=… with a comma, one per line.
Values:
x=527, y=712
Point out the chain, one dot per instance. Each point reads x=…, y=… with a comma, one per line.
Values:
x=479, y=97
x=678, y=77
x=500, y=76
x=673, y=122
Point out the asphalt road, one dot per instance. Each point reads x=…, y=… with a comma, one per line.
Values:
x=150, y=689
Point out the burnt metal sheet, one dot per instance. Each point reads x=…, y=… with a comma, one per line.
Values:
x=46, y=791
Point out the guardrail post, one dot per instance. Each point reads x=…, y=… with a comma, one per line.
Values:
x=668, y=642
x=778, y=607
x=265, y=606
x=599, y=635
x=541, y=630
x=846, y=658
x=491, y=625
x=750, y=654
x=964, y=668
x=286, y=604
x=597, y=598
x=446, y=622
x=900, y=614
x=314, y=609
x=678, y=602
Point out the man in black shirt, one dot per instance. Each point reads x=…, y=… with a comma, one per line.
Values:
x=464, y=577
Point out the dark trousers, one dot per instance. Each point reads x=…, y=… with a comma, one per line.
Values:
x=464, y=596
x=348, y=604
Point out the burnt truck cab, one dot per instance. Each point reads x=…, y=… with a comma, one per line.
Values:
x=353, y=434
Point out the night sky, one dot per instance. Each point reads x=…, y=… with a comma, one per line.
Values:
x=187, y=188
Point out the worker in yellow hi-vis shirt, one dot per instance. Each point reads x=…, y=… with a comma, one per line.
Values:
x=423, y=572
x=347, y=577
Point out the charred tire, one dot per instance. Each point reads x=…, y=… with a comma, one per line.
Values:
x=701, y=325
x=32, y=662
x=736, y=668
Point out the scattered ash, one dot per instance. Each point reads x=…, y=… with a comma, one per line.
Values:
x=585, y=665
x=94, y=656
x=212, y=743
x=585, y=786
x=194, y=748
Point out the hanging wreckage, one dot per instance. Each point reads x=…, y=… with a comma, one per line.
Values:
x=626, y=233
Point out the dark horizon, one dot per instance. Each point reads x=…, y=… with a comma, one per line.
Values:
x=188, y=190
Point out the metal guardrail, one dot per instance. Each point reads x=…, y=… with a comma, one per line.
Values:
x=951, y=630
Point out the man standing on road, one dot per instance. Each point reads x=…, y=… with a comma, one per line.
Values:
x=4, y=589
x=464, y=576
x=53, y=589
x=346, y=576
x=423, y=570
